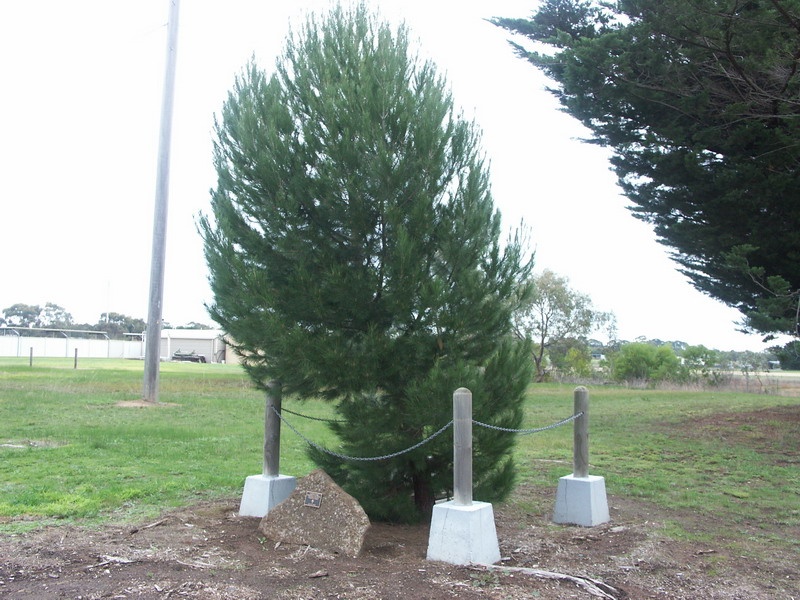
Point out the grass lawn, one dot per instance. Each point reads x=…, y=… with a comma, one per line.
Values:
x=69, y=451
x=733, y=455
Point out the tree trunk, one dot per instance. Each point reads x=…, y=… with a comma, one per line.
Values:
x=424, y=498
x=540, y=374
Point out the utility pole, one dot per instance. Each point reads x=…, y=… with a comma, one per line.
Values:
x=152, y=350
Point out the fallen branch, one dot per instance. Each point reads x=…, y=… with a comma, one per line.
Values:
x=108, y=560
x=592, y=586
x=317, y=574
x=143, y=527
x=196, y=565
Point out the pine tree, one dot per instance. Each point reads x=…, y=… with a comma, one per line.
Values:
x=698, y=99
x=355, y=255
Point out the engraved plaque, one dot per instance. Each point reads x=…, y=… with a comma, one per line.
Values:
x=313, y=499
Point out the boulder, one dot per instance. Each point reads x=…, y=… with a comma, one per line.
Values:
x=320, y=514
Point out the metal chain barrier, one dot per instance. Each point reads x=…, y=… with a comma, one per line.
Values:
x=309, y=417
x=415, y=446
x=529, y=431
x=361, y=458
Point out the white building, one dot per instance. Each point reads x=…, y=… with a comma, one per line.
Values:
x=65, y=343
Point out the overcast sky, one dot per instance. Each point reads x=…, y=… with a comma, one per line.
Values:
x=82, y=84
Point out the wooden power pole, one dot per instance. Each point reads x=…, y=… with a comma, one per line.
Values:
x=152, y=350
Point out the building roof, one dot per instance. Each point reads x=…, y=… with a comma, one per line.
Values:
x=192, y=334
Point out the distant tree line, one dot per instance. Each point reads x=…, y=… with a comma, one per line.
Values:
x=558, y=322
x=52, y=316
x=652, y=362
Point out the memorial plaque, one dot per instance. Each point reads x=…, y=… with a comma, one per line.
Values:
x=313, y=499
x=338, y=524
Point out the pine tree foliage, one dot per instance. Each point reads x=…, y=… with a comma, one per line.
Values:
x=355, y=255
x=700, y=102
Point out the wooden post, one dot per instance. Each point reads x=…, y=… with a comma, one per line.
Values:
x=581, y=433
x=462, y=447
x=581, y=498
x=75, y=366
x=272, y=430
x=30, y=360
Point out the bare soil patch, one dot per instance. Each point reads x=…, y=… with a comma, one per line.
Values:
x=143, y=404
x=772, y=431
x=208, y=552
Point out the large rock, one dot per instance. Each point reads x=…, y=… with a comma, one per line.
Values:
x=320, y=514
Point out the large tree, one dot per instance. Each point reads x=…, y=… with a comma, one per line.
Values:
x=23, y=315
x=116, y=325
x=55, y=316
x=355, y=255
x=699, y=101
x=553, y=314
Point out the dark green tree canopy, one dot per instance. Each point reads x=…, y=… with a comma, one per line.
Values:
x=23, y=315
x=117, y=325
x=355, y=253
x=33, y=315
x=699, y=101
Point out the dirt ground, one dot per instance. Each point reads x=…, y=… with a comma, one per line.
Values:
x=207, y=552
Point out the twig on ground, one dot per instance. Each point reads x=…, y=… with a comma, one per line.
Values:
x=592, y=586
x=195, y=565
x=108, y=560
x=316, y=574
x=143, y=527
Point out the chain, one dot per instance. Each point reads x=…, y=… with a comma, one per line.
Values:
x=361, y=458
x=528, y=431
x=418, y=444
x=324, y=420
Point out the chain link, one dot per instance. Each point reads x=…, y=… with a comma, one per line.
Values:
x=360, y=458
x=529, y=431
x=415, y=446
x=323, y=419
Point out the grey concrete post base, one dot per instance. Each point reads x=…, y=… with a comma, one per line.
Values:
x=463, y=535
x=581, y=501
x=262, y=493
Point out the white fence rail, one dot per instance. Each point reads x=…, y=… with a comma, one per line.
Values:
x=64, y=347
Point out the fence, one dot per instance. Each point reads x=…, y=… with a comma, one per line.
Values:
x=60, y=343
x=63, y=346
x=462, y=423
